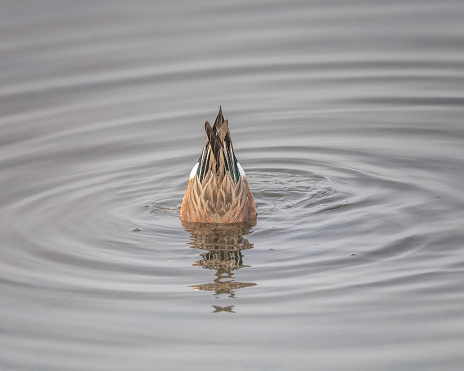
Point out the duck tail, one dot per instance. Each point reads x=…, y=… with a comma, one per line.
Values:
x=218, y=153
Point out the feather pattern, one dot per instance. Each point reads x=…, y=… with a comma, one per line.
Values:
x=218, y=192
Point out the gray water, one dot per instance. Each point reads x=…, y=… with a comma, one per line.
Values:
x=348, y=117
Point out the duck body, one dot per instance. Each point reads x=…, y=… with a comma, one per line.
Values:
x=218, y=191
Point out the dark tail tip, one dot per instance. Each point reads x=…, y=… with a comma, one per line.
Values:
x=213, y=139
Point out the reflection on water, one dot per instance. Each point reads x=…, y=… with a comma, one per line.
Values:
x=218, y=309
x=222, y=246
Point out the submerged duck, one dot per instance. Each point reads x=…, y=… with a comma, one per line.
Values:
x=218, y=191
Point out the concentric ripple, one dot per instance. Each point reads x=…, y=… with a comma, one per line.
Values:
x=348, y=121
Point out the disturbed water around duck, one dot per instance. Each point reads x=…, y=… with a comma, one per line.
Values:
x=349, y=125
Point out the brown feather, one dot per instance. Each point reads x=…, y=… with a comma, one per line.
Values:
x=218, y=194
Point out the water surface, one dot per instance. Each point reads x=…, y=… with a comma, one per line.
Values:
x=348, y=120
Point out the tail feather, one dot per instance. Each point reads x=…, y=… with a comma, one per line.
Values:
x=218, y=152
x=214, y=141
x=219, y=192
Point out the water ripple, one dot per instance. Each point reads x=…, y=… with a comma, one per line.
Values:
x=348, y=123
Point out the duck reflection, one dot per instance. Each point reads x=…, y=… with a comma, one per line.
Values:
x=222, y=246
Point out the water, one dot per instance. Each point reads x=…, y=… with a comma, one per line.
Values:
x=348, y=119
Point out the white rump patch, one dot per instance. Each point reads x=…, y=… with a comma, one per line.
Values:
x=194, y=171
x=240, y=169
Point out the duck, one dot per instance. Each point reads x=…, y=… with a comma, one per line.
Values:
x=218, y=190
